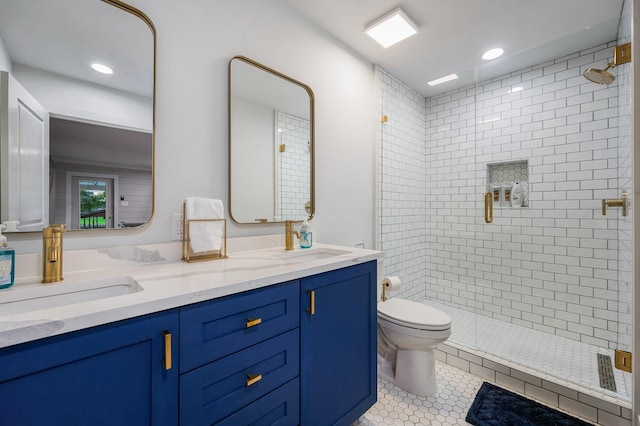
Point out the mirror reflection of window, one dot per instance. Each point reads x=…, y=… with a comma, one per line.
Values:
x=92, y=202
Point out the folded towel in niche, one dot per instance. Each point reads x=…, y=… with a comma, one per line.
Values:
x=204, y=236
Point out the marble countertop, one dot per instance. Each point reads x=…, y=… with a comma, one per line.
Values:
x=165, y=283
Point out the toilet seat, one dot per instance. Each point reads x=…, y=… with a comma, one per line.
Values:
x=414, y=315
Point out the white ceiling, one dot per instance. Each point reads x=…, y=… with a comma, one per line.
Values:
x=48, y=35
x=94, y=145
x=453, y=34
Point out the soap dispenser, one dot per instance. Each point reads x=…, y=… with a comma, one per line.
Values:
x=306, y=235
x=7, y=261
x=516, y=195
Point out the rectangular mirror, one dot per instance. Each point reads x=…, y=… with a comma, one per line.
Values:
x=271, y=142
x=76, y=145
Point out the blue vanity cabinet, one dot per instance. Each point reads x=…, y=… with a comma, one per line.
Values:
x=338, y=371
x=115, y=374
x=256, y=357
x=240, y=358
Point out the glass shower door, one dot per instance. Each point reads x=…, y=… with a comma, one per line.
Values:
x=553, y=275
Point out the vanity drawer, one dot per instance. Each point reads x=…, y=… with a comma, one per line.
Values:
x=212, y=330
x=210, y=393
x=280, y=407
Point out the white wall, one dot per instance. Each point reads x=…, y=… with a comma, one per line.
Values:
x=403, y=226
x=253, y=180
x=195, y=41
x=83, y=101
x=5, y=60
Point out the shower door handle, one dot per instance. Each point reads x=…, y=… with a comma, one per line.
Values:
x=616, y=202
x=488, y=207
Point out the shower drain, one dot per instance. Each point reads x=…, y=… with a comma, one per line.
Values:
x=605, y=372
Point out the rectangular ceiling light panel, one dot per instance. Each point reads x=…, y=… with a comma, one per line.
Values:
x=442, y=79
x=393, y=27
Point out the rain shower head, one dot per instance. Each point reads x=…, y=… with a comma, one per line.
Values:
x=600, y=76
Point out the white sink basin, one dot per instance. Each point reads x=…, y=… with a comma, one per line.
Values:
x=308, y=255
x=15, y=300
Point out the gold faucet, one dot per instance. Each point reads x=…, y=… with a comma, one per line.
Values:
x=52, y=253
x=289, y=232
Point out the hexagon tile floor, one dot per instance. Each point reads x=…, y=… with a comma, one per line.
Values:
x=449, y=406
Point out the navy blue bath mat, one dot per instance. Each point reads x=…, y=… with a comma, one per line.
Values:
x=495, y=406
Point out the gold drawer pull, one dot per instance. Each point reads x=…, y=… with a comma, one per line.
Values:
x=312, y=302
x=253, y=322
x=167, y=350
x=252, y=379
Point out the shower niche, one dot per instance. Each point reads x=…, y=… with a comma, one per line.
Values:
x=500, y=180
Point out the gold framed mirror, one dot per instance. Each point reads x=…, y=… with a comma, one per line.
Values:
x=89, y=135
x=271, y=145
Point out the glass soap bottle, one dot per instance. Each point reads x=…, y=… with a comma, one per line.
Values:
x=7, y=261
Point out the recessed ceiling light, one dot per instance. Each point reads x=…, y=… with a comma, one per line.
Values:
x=442, y=79
x=102, y=68
x=391, y=28
x=492, y=54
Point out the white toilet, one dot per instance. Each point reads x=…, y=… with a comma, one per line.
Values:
x=407, y=335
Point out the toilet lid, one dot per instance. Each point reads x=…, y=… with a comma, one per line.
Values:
x=413, y=314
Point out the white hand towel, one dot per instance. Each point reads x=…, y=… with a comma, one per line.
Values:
x=205, y=236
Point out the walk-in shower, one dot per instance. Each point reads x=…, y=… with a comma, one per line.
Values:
x=545, y=287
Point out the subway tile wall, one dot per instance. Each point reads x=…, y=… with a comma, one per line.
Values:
x=294, y=168
x=552, y=266
x=403, y=215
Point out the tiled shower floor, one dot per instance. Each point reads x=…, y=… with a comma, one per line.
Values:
x=558, y=359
